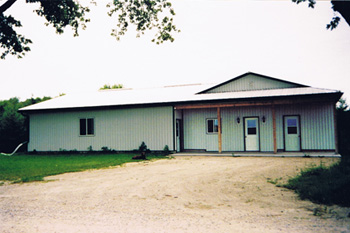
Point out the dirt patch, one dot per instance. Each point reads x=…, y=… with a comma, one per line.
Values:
x=185, y=194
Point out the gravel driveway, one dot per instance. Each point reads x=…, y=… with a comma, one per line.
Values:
x=185, y=194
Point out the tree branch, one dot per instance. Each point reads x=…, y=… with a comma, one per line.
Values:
x=6, y=5
x=343, y=7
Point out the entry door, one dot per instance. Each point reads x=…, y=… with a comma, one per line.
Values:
x=178, y=135
x=251, y=130
x=292, y=133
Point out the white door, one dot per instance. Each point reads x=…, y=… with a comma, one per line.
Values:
x=178, y=139
x=251, y=134
x=292, y=133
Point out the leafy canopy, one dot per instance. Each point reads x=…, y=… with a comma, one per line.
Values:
x=343, y=7
x=144, y=14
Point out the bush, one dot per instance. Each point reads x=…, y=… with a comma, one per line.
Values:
x=323, y=185
x=143, y=148
x=166, y=150
x=106, y=149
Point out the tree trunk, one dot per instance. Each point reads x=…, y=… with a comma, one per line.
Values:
x=6, y=5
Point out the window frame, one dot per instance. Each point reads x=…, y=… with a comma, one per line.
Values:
x=87, y=127
x=213, y=126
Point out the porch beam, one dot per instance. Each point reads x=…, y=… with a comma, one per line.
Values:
x=219, y=130
x=247, y=104
x=274, y=129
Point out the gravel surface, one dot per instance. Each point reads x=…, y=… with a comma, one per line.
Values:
x=185, y=194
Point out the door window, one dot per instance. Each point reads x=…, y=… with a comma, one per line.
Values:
x=251, y=127
x=292, y=127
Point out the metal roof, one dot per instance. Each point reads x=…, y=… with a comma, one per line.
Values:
x=164, y=95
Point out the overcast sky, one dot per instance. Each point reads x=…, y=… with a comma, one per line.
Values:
x=219, y=40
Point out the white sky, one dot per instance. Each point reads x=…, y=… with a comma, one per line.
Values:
x=219, y=40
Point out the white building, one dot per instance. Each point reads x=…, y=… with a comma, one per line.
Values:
x=251, y=112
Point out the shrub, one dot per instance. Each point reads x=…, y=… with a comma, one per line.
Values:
x=90, y=148
x=324, y=185
x=105, y=149
x=166, y=150
x=143, y=148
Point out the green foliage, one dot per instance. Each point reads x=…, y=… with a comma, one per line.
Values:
x=343, y=128
x=166, y=150
x=106, y=149
x=59, y=14
x=144, y=14
x=11, y=42
x=25, y=168
x=13, y=125
x=90, y=149
x=311, y=2
x=143, y=148
x=343, y=7
x=274, y=181
x=63, y=13
x=324, y=185
x=115, y=86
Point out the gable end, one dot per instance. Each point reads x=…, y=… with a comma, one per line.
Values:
x=249, y=82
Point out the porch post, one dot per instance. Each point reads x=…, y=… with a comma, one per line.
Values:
x=274, y=129
x=219, y=130
x=335, y=130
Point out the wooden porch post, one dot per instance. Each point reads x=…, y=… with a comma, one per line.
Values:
x=274, y=129
x=335, y=130
x=219, y=130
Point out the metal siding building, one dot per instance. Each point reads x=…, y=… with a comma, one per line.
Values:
x=316, y=124
x=118, y=129
x=251, y=112
x=251, y=82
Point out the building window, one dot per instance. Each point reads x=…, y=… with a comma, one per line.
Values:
x=212, y=125
x=87, y=127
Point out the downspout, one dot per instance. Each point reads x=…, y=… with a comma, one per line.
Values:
x=5, y=154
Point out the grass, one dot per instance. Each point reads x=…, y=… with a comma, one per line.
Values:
x=323, y=185
x=26, y=168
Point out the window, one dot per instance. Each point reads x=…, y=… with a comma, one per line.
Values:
x=292, y=126
x=212, y=126
x=87, y=127
x=251, y=127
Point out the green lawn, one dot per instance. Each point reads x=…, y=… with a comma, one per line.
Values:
x=25, y=168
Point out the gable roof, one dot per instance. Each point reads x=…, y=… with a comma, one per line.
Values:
x=170, y=96
x=239, y=84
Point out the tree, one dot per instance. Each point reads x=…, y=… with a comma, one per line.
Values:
x=144, y=14
x=343, y=126
x=13, y=125
x=115, y=86
x=342, y=7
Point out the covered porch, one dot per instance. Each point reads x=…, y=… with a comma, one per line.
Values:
x=262, y=154
x=271, y=130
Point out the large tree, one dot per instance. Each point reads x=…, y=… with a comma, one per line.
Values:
x=340, y=6
x=144, y=14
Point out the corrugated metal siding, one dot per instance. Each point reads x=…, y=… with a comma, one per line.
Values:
x=250, y=83
x=195, y=136
x=122, y=129
x=316, y=123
